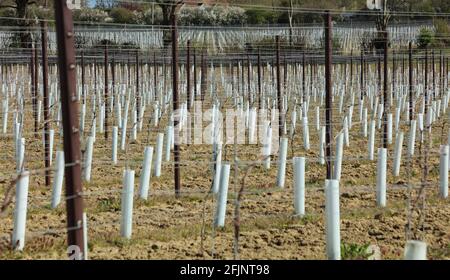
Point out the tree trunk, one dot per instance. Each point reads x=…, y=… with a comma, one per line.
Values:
x=21, y=13
x=291, y=15
x=166, y=12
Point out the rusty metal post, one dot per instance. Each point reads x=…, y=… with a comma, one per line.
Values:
x=446, y=71
x=273, y=72
x=385, y=90
x=188, y=74
x=239, y=69
x=83, y=77
x=36, y=71
x=34, y=92
x=285, y=70
x=259, y=80
x=280, y=109
x=72, y=152
x=411, y=89
x=248, y=78
x=403, y=68
x=203, y=86
x=311, y=72
x=362, y=75
x=351, y=69
x=176, y=150
x=155, y=77
x=128, y=69
x=426, y=80
x=46, y=103
x=379, y=73
x=242, y=78
x=303, y=76
x=434, y=74
x=231, y=70
x=113, y=77
x=194, y=60
x=394, y=69
x=138, y=96
x=106, y=93
x=344, y=76
x=95, y=76
x=328, y=92
x=441, y=73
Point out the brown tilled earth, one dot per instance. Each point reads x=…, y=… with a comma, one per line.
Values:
x=169, y=228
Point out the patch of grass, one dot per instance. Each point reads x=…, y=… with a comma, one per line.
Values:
x=192, y=198
x=315, y=181
x=349, y=182
x=9, y=254
x=359, y=213
x=48, y=207
x=178, y=233
x=439, y=253
x=278, y=222
x=60, y=209
x=108, y=205
x=308, y=218
x=434, y=171
x=437, y=141
x=139, y=202
x=121, y=242
x=370, y=212
x=354, y=251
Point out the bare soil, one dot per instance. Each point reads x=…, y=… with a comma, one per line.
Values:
x=168, y=228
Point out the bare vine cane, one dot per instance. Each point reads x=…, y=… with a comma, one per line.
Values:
x=237, y=208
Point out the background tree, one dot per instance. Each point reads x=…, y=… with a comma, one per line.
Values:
x=291, y=16
x=21, y=8
x=168, y=7
x=425, y=38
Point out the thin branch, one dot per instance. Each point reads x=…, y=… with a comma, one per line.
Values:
x=8, y=6
x=237, y=214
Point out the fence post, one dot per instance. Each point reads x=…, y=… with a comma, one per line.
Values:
x=411, y=109
x=426, y=81
x=34, y=92
x=188, y=75
x=303, y=77
x=280, y=114
x=351, y=71
x=394, y=69
x=176, y=119
x=259, y=80
x=46, y=105
x=203, y=86
x=138, y=97
x=362, y=75
x=155, y=76
x=434, y=74
x=328, y=92
x=386, y=105
x=82, y=78
x=36, y=73
x=194, y=61
x=248, y=79
x=72, y=152
x=106, y=93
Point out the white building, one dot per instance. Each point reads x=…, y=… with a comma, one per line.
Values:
x=74, y=4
